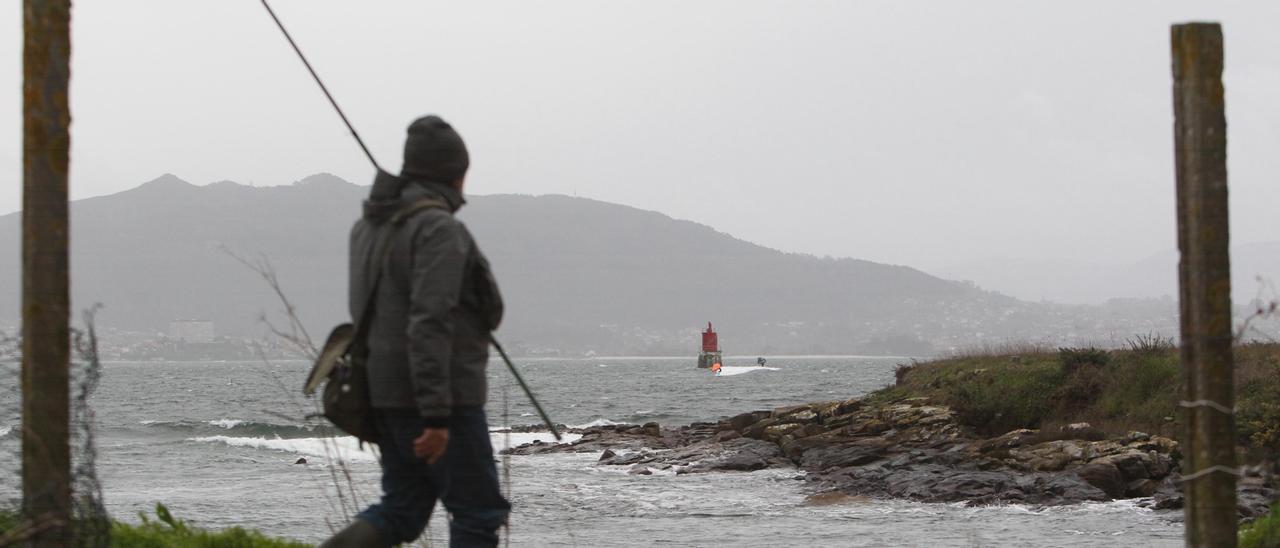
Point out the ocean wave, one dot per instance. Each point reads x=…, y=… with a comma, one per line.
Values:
x=5, y=430
x=336, y=448
x=347, y=448
x=731, y=370
x=645, y=416
x=597, y=422
x=249, y=428
x=504, y=440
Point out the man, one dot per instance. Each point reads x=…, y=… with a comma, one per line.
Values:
x=428, y=345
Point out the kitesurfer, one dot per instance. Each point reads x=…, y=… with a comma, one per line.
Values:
x=434, y=310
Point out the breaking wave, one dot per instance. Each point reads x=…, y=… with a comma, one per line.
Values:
x=245, y=428
x=504, y=440
x=597, y=422
x=336, y=448
x=731, y=370
x=348, y=448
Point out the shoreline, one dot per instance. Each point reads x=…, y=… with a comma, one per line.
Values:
x=978, y=430
x=851, y=451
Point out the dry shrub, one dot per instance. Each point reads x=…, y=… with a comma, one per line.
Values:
x=1003, y=349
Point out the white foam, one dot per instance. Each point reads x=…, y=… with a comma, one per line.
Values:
x=348, y=448
x=4, y=430
x=227, y=423
x=731, y=370
x=503, y=440
x=337, y=448
x=597, y=422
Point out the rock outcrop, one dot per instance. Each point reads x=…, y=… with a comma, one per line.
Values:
x=909, y=449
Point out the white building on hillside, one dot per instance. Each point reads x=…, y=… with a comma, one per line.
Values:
x=191, y=331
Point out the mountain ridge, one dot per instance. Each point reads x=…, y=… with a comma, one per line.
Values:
x=579, y=275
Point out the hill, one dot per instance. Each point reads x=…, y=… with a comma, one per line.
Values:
x=1255, y=267
x=579, y=275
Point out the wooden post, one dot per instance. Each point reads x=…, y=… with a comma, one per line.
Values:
x=46, y=451
x=1204, y=276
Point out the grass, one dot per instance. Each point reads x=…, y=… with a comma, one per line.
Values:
x=1116, y=391
x=166, y=531
x=1263, y=532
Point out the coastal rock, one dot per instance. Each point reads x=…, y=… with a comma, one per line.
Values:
x=742, y=454
x=1055, y=489
x=745, y=420
x=1104, y=476
x=1253, y=497
x=871, y=427
x=1141, y=488
x=739, y=454
x=775, y=433
x=1049, y=456
x=1254, y=500
x=628, y=457
x=908, y=449
x=1160, y=465
x=782, y=412
x=1167, y=495
x=727, y=435
x=855, y=453
x=1132, y=437
x=958, y=486
x=757, y=430
x=1008, y=440
x=1132, y=465
x=1159, y=444
x=599, y=438
x=745, y=454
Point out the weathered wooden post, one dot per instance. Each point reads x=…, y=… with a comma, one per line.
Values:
x=46, y=451
x=1204, y=276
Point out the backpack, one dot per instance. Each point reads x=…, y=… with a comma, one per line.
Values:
x=341, y=363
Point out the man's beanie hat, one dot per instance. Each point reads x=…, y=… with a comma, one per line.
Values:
x=433, y=151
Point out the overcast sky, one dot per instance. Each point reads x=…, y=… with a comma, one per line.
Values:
x=921, y=133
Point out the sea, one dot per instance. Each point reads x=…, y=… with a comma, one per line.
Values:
x=219, y=443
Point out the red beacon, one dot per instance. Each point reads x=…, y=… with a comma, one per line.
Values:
x=710, y=353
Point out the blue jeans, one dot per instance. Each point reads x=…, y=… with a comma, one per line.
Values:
x=465, y=479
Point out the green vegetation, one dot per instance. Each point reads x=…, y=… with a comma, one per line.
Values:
x=1263, y=532
x=171, y=532
x=1116, y=391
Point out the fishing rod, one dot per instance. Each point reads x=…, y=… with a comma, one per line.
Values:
x=537, y=406
x=510, y=366
x=359, y=141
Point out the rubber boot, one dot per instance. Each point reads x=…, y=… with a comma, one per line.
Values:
x=360, y=534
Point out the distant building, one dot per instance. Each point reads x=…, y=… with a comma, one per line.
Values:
x=191, y=331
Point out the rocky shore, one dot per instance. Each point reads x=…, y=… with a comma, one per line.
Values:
x=910, y=449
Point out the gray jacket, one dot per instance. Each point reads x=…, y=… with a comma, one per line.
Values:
x=428, y=343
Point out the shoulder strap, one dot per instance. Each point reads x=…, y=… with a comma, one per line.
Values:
x=381, y=252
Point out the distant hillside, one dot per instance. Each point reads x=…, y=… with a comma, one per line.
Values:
x=578, y=275
x=1151, y=277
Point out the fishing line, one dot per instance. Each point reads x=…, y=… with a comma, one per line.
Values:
x=527, y=392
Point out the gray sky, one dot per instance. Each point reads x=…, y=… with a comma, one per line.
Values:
x=931, y=134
